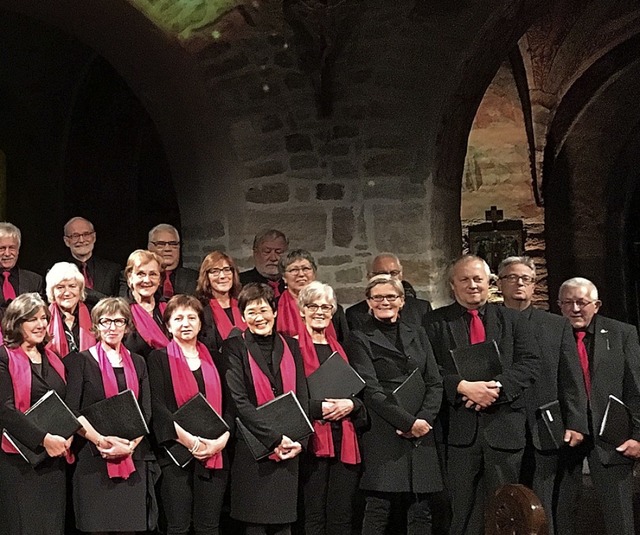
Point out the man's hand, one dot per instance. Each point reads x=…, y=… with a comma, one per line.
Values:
x=572, y=438
x=478, y=394
x=630, y=448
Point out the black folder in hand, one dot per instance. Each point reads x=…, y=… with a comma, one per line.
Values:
x=616, y=423
x=118, y=416
x=551, y=429
x=410, y=394
x=52, y=415
x=199, y=418
x=335, y=378
x=285, y=416
x=478, y=362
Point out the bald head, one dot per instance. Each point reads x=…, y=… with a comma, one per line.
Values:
x=386, y=264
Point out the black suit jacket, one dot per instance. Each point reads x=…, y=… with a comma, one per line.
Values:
x=504, y=421
x=184, y=282
x=413, y=312
x=560, y=374
x=615, y=369
x=253, y=275
x=28, y=281
x=106, y=278
x=393, y=463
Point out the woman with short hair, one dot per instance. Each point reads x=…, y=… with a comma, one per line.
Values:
x=32, y=497
x=218, y=288
x=70, y=326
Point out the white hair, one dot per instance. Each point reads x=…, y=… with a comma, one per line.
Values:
x=64, y=271
x=579, y=282
x=73, y=220
x=163, y=227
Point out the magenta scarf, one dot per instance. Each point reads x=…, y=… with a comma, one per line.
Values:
x=222, y=321
x=56, y=329
x=289, y=320
x=124, y=466
x=185, y=385
x=147, y=327
x=261, y=382
x=20, y=372
x=322, y=440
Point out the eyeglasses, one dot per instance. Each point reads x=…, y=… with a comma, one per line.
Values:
x=380, y=298
x=105, y=323
x=216, y=272
x=295, y=271
x=77, y=235
x=163, y=244
x=252, y=314
x=392, y=273
x=513, y=279
x=324, y=308
x=580, y=303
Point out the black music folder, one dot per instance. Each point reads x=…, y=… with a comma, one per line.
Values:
x=285, y=415
x=551, y=429
x=410, y=394
x=199, y=418
x=52, y=415
x=478, y=362
x=335, y=378
x=617, y=423
x=118, y=416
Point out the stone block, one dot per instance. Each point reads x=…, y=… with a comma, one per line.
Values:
x=334, y=148
x=344, y=169
x=391, y=188
x=266, y=168
x=303, y=194
x=329, y=192
x=334, y=260
x=386, y=140
x=401, y=228
x=298, y=143
x=350, y=296
x=268, y=193
x=350, y=275
x=343, y=226
x=388, y=164
x=270, y=123
x=421, y=272
x=303, y=162
x=304, y=226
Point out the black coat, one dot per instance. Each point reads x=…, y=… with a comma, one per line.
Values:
x=412, y=312
x=560, y=374
x=253, y=275
x=265, y=491
x=106, y=279
x=28, y=281
x=504, y=422
x=392, y=463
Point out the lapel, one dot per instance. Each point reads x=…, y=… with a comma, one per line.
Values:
x=376, y=337
x=601, y=346
x=456, y=322
x=97, y=273
x=21, y=283
x=253, y=348
x=408, y=335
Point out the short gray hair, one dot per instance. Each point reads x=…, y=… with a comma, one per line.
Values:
x=9, y=230
x=464, y=259
x=163, y=227
x=317, y=290
x=73, y=220
x=579, y=282
x=293, y=256
x=511, y=260
x=269, y=234
x=64, y=271
x=384, y=279
x=373, y=260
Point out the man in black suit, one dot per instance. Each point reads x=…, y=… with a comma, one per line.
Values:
x=101, y=277
x=483, y=421
x=414, y=309
x=15, y=281
x=609, y=356
x=165, y=240
x=560, y=380
x=268, y=247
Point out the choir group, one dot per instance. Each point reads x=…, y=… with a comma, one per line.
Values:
x=427, y=464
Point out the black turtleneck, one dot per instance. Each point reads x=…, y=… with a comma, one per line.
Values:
x=265, y=343
x=391, y=332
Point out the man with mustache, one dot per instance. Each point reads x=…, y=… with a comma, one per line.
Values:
x=268, y=247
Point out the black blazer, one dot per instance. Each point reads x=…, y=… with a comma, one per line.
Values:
x=413, y=312
x=560, y=374
x=253, y=275
x=184, y=282
x=28, y=281
x=615, y=370
x=504, y=422
x=106, y=278
x=13, y=420
x=392, y=463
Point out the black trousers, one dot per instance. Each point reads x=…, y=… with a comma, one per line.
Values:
x=475, y=472
x=192, y=495
x=379, y=507
x=268, y=529
x=328, y=487
x=613, y=485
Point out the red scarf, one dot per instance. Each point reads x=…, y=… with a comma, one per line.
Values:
x=289, y=320
x=261, y=382
x=20, y=372
x=222, y=321
x=56, y=330
x=185, y=385
x=124, y=466
x=148, y=328
x=322, y=440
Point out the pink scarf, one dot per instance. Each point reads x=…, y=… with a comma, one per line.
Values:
x=20, y=372
x=185, y=385
x=222, y=321
x=261, y=382
x=148, y=328
x=56, y=330
x=124, y=466
x=289, y=320
x=322, y=440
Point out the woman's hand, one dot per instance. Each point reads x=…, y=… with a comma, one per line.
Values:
x=115, y=447
x=287, y=449
x=55, y=445
x=336, y=409
x=209, y=447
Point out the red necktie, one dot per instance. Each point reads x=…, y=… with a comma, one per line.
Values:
x=88, y=281
x=8, y=290
x=584, y=360
x=275, y=286
x=476, y=328
x=167, y=287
